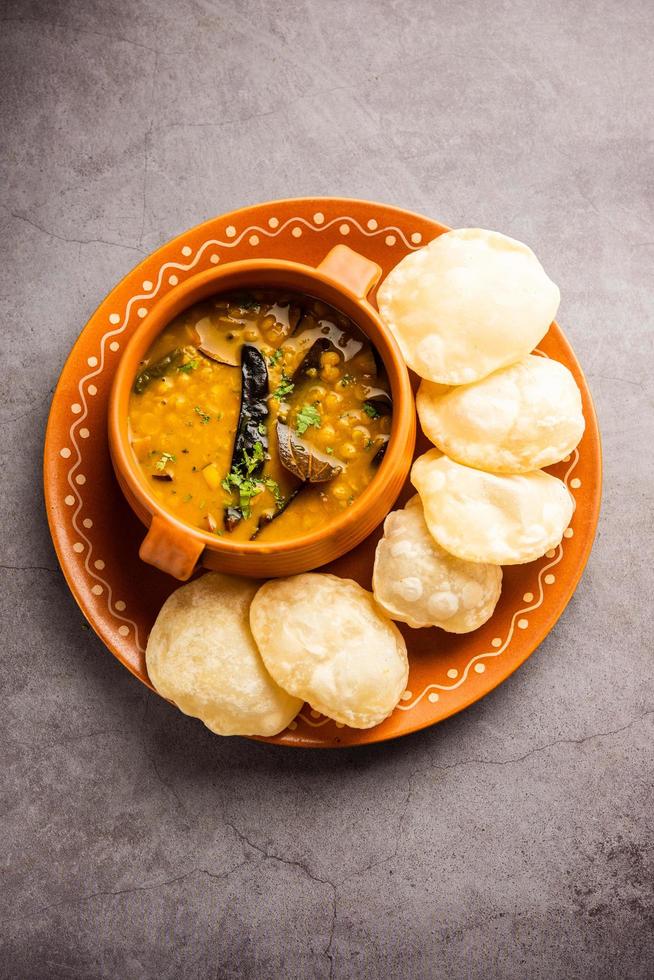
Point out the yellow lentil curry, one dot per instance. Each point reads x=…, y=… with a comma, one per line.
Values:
x=259, y=414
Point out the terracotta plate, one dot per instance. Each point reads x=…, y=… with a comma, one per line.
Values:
x=97, y=537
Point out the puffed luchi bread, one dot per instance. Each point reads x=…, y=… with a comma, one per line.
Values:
x=325, y=640
x=520, y=418
x=202, y=656
x=488, y=517
x=419, y=583
x=470, y=302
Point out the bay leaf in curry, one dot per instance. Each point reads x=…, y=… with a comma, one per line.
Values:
x=302, y=460
x=253, y=412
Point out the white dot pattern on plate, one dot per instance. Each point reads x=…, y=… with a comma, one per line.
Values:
x=92, y=390
x=390, y=239
x=69, y=500
x=407, y=695
x=372, y=224
x=80, y=479
x=416, y=238
x=87, y=522
x=84, y=433
x=253, y=239
x=76, y=408
x=480, y=668
x=568, y=533
x=65, y=452
x=344, y=229
x=78, y=547
x=123, y=630
x=318, y=218
x=523, y=624
x=433, y=697
x=114, y=318
x=314, y=713
x=142, y=312
x=549, y=579
x=214, y=259
x=92, y=361
x=99, y=564
x=173, y=280
x=120, y=605
x=296, y=232
x=550, y=553
x=187, y=250
x=292, y=725
x=273, y=222
x=147, y=285
x=97, y=589
x=528, y=597
x=496, y=642
x=452, y=672
x=576, y=483
x=230, y=231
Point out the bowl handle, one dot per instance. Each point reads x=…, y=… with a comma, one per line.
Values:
x=170, y=549
x=351, y=270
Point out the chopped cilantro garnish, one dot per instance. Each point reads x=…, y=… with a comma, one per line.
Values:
x=307, y=416
x=370, y=410
x=330, y=450
x=273, y=486
x=369, y=444
x=262, y=428
x=187, y=498
x=284, y=388
x=346, y=380
x=189, y=366
x=204, y=418
x=275, y=357
x=163, y=461
x=247, y=489
x=251, y=462
x=242, y=480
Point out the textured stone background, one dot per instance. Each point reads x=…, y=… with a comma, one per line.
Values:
x=514, y=841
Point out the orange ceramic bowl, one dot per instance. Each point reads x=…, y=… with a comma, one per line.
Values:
x=343, y=279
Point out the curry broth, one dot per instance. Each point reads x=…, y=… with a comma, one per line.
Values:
x=322, y=383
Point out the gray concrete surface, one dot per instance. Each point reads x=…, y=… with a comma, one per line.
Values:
x=514, y=841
